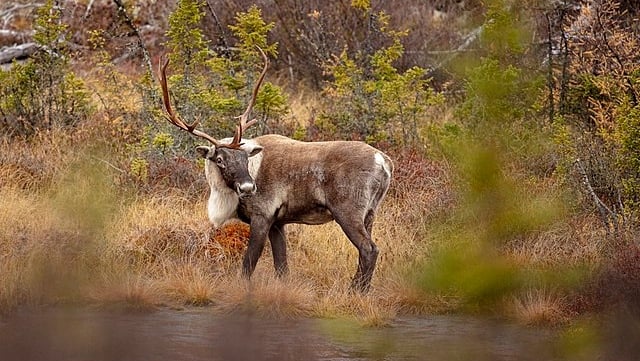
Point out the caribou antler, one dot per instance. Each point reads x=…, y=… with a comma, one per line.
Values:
x=171, y=115
x=174, y=119
x=244, y=124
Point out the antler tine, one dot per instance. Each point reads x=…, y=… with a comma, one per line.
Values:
x=244, y=124
x=171, y=115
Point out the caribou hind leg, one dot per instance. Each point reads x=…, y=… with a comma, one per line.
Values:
x=360, y=235
x=279, y=249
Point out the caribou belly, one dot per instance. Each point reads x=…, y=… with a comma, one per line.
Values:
x=309, y=215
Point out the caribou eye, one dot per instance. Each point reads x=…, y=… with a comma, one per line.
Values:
x=220, y=162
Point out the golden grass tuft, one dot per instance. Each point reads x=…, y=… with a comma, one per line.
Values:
x=577, y=241
x=10, y=296
x=127, y=292
x=539, y=307
x=407, y=297
x=367, y=310
x=267, y=296
x=191, y=284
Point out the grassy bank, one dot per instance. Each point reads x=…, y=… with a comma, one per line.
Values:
x=72, y=231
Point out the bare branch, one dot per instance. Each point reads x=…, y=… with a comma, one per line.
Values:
x=125, y=16
x=7, y=14
x=223, y=36
x=606, y=213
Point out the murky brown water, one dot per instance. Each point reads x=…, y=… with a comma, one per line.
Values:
x=198, y=334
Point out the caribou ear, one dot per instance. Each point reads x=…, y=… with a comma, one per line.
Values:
x=251, y=148
x=203, y=151
x=254, y=150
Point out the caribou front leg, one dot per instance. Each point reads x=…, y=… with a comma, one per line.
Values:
x=279, y=249
x=257, y=239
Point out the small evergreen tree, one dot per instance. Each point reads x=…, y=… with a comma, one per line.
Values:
x=212, y=87
x=376, y=102
x=43, y=92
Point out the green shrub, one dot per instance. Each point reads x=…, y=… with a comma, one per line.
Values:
x=628, y=160
x=43, y=92
x=376, y=102
x=215, y=88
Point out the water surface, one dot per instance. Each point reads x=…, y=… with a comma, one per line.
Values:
x=199, y=334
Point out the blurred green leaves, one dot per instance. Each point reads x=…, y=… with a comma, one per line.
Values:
x=494, y=208
x=499, y=199
x=84, y=196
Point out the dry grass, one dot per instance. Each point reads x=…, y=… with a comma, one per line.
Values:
x=304, y=102
x=125, y=291
x=539, y=307
x=576, y=241
x=191, y=284
x=368, y=310
x=401, y=292
x=31, y=242
x=266, y=295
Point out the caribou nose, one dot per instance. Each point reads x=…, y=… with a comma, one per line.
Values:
x=246, y=188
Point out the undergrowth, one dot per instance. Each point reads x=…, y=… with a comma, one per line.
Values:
x=73, y=232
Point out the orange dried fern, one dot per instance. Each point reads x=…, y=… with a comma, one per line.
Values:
x=230, y=240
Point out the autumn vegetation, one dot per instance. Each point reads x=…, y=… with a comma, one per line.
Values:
x=514, y=128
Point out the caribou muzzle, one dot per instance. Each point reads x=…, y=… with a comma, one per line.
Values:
x=246, y=188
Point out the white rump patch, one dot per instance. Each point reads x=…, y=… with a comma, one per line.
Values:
x=380, y=160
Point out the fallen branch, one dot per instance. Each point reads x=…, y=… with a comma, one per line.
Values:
x=607, y=216
x=22, y=51
x=15, y=37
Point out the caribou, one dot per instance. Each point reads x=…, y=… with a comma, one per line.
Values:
x=271, y=180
